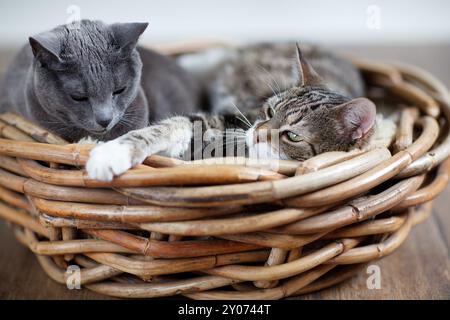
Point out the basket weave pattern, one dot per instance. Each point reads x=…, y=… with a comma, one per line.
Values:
x=232, y=230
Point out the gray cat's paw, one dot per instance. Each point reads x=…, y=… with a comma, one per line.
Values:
x=88, y=140
x=108, y=160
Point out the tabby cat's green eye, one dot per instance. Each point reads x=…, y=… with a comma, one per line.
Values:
x=270, y=112
x=293, y=136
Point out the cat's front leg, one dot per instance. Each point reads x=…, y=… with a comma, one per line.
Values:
x=171, y=136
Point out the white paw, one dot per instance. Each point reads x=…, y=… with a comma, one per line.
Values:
x=88, y=140
x=108, y=160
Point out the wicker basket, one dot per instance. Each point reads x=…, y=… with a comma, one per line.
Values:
x=232, y=230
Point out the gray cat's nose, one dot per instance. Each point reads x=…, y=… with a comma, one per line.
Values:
x=103, y=120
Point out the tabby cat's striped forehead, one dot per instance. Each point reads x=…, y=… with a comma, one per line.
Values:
x=305, y=99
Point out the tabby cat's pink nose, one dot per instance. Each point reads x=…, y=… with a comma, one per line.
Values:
x=255, y=137
x=261, y=135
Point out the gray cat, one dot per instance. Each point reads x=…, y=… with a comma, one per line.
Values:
x=305, y=114
x=88, y=79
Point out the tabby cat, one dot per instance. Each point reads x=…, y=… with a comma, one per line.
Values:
x=304, y=113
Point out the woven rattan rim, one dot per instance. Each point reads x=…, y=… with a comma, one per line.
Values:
x=233, y=230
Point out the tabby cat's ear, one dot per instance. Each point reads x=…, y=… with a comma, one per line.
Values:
x=46, y=47
x=357, y=117
x=127, y=35
x=307, y=76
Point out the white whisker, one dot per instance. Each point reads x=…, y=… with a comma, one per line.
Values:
x=244, y=117
x=272, y=77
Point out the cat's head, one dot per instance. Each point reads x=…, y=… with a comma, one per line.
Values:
x=310, y=119
x=87, y=73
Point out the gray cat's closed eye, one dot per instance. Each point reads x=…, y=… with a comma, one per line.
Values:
x=79, y=98
x=121, y=90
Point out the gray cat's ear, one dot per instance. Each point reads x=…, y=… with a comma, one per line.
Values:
x=357, y=117
x=307, y=76
x=46, y=47
x=127, y=35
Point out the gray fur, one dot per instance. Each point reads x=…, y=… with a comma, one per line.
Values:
x=125, y=87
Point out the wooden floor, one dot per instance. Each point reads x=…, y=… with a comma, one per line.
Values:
x=420, y=269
